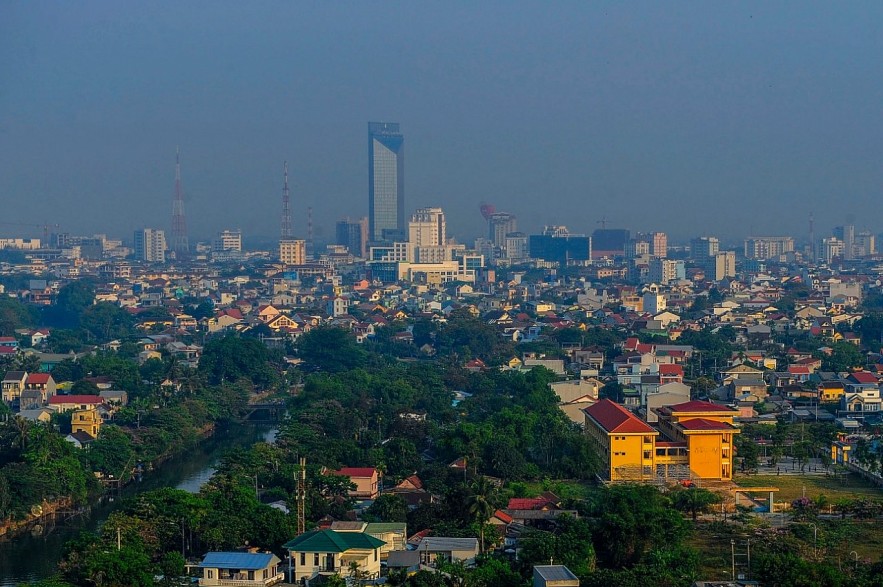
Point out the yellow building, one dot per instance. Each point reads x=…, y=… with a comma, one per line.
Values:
x=831, y=391
x=88, y=421
x=706, y=431
x=625, y=443
x=697, y=442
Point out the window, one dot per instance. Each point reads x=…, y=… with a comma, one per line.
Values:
x=646, y=454
x=316, y=560
x=375, y=554
x=303, y=559
x=209, y=574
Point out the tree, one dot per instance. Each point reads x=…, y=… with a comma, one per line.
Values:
x=844, y=357
x=330, y=349
x=105, y=322
x=695, y=500
x=83, y=387
x=388, y=508
x=480, y=503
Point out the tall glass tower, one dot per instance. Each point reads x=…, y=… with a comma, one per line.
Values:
x=386, y=182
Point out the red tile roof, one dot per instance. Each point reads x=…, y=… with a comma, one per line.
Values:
x=356, y=472
x=703, y=424
x=528, y=503
x=612, y=417
x=503, y=516
x=863, y=377
x=698, y=406
x=671, y=370
x=38, y=378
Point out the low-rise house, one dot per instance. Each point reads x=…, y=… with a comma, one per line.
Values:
x=435, y=548
x=42, y=382
x=87, y=420
x=327, y=552
x=12, y=385
x=66, y=403
x=240, y=569
x=366, y=479
x=554, y=576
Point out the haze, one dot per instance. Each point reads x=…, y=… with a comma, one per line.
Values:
x=692, y=118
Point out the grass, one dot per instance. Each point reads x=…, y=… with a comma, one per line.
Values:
x=565, y=489
x=792, y=487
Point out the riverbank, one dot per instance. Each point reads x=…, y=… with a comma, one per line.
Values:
x=34, y=554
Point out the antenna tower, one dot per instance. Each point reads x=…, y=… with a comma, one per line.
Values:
x=286, y=205
x=179, y=223
x=302, y=497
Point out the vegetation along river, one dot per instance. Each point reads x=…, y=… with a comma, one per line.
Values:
x=35, y=553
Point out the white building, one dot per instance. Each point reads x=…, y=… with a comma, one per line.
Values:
x=427, y=228
x=228, y=241
x=150, y=245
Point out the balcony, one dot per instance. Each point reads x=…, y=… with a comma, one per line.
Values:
x=278, y=578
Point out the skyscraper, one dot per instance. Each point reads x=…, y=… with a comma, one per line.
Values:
x=499, y=225
x=386, y=182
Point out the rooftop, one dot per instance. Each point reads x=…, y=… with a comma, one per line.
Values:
x=612, y=417
x=251, y=561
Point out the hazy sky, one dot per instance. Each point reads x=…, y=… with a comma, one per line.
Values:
x=688, y=117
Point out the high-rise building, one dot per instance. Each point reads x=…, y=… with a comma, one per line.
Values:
x=659, y=244
x=353, y=235
x=516, y=247
x=704, y=248
x=846, y=233
x=865, y=244
x=556, y=244
x=499, y=225
x=664, y=271
x=609, y=242
x=292, y=251
x=832, y=248
x=386, y=182
x=636, y=247
x=721, y=266
x=228, y=241
x=150, y=245
x=427, y=228
x=767, y=247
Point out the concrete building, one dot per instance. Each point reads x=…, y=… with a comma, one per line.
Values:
x=353, y=235
x=292, y=251
x=554, y=576
x=228, y=241
x=659, y=244
x=767, y=247
x=721, y=266
x=501, y=224
x=664, y=271
x=150, y=245
x=427, y=228
x=703, y=248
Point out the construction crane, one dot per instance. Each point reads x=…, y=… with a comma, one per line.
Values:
x=45, y=227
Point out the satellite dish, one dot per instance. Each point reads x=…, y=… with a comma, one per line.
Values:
x=37, y=510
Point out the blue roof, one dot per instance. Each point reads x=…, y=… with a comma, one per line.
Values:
x=250, y=561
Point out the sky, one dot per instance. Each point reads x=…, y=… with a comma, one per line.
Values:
x=693, y=118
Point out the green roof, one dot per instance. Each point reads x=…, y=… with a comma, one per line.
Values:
x=331, y=541
x=385, y=527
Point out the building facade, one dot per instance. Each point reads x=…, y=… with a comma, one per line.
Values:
x=150, y=245
x=292, y=251
x=353, y=235
x=386, y=182
x=427, y=228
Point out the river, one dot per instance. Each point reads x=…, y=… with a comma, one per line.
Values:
x=34, y=554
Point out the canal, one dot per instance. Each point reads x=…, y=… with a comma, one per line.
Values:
x=34, y=554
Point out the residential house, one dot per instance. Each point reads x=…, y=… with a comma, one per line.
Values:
x=43, y=383
x=435, y=548
x=87, y=420
x=242, y=569
x=554, y=576
x=327, y=552
x=366, y=479
x=12, y=385
x=394, y=535
x=66, y=403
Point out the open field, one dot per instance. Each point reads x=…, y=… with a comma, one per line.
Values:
x=792, y=487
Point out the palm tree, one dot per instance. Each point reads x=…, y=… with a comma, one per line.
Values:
x=480, y=503
x=21, y=429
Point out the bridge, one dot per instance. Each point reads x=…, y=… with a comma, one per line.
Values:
x=274, y=409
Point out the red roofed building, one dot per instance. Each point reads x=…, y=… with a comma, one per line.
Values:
x=366, y=479
x=66, y=403
x=671, y=374
x=624, y=442
x=706, y=430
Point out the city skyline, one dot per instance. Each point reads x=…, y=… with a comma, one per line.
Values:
x=738, y=119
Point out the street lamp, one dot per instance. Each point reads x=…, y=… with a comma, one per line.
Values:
x=815, y=540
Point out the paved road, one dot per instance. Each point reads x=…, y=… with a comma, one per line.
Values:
x=790, y=466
